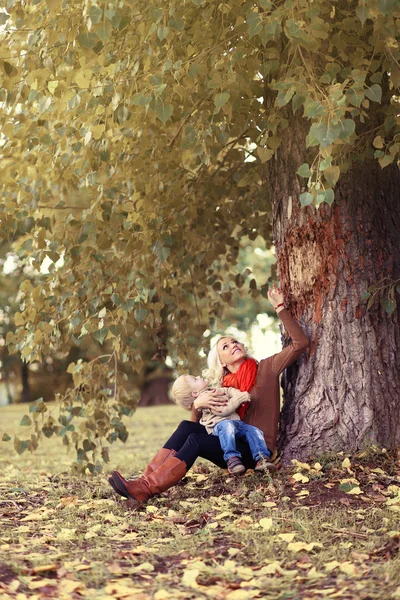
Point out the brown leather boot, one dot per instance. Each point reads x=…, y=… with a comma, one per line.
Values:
x=165, y=476
x=155, y=462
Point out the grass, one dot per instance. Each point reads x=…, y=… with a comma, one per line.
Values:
x=311, y=531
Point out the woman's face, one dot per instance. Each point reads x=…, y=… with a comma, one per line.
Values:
x=230, y=352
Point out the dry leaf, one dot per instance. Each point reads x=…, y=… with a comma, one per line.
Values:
x=266, y=523
x=300, y=477
x=286, y=537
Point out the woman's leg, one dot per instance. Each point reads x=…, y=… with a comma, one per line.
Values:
x=209, y=447
x=181, y=434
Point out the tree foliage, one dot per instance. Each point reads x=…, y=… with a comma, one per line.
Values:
x=133, y=150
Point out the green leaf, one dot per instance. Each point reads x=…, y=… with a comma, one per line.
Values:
x=26, y=421
x=164, y=112
x=100, y=334
x=374, y=93
x=221, y=99
x=332, y=175
x=95, y=14
x=5, y=438
x=162, y=33
x=387, y=6
x=362, y=13
x=347, y=128
x=162, y=252
x=325, y=163
x=306, y=198
x=176, y=23
x=304, y=170
x=386, y=160
x=323, y=134
x=347, y=487
x=140, y=314
x=103, y=31
x=141, y=99
x=81, y=455
x=355, y=96
x=325, y=196
x=87, y=39
x=389, y=305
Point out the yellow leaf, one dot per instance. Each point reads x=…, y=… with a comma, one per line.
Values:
x=286, y=537
x=83, y=78
x=317, y=466
x=223, y=515
x=268, y=504
x=300, y=477
x=146, y=566
x=97, y=131
x=330, y=566
x=189, y=578
x=266, y=523
x=303, y=493
x=348, y=568
x=52, y=86
x=66, y=534
x=300, y=465
x=264, y=154
x=242, y=594
x=314, y=574
x=355, y=491
x=299, y=546
x=346, y=464
x=162, y=595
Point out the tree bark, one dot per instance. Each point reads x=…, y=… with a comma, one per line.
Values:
x=346, y=393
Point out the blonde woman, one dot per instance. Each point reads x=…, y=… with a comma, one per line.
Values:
x=228, y=366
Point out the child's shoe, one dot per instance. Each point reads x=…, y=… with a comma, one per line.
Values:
x=235, y=465
x=264, y=464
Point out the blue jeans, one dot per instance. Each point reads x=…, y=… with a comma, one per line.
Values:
x=228, y=430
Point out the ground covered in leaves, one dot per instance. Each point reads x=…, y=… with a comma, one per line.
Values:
x=327, y=529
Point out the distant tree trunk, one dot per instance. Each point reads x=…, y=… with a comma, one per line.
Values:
x=345, y=393
x=155, y=392
x=26, y=390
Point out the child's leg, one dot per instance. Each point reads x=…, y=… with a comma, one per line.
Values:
x=255, y=439
x=226, y=431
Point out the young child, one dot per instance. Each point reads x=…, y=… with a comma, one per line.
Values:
x=225, y=424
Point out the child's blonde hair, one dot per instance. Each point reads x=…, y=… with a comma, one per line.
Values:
x=181, y=392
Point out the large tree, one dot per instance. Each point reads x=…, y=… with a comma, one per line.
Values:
x=144, y=139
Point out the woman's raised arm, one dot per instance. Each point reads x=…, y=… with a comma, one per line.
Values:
x=299, y=341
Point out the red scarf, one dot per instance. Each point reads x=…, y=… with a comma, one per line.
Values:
x=242, y=380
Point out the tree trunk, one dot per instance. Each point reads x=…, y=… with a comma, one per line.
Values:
x=345, y=394
x=26, y=390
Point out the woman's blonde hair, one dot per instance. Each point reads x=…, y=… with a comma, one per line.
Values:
x=181, y=392
x=215, y=371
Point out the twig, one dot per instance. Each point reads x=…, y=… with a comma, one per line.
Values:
x=183, y=123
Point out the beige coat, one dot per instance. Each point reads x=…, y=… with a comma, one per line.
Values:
x=235, y=398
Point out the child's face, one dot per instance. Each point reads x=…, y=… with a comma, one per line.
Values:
x=197, y=384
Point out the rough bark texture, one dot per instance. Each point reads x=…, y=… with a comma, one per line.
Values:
x=346, y=393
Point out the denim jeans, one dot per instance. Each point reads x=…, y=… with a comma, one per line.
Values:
x=228, y=430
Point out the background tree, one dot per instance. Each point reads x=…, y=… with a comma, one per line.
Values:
x=147, y=116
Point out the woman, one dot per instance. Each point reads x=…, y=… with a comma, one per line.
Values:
x=229, y=366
